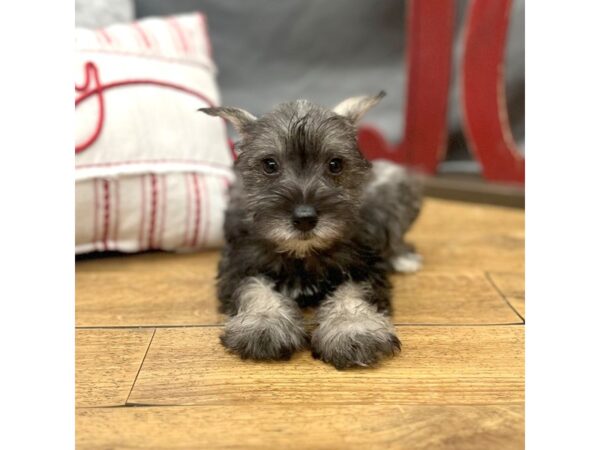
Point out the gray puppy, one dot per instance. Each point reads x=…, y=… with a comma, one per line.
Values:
x=311, y=222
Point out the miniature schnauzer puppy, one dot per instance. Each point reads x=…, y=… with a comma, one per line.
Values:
x=311, y=222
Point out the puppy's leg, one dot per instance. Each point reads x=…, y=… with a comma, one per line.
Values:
x=392, y=203
x=350, y=331
x=267, y=325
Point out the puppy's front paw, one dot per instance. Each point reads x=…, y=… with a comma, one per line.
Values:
x=256, y=336
x=349, y=344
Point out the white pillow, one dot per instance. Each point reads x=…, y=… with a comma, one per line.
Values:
x=151, y=172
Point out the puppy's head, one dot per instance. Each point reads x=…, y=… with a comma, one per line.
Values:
x=301, y=170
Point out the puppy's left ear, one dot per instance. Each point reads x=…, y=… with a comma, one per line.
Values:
x=354, y=108
x=239, y=118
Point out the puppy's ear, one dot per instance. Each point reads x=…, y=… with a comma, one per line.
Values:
x=354, y=108
x=239, y=118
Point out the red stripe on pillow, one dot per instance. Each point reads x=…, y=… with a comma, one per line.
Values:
x=117, y=188
x=142, y=212
x=163, y=190
x=102, y=32
x=95, y=232
x=106, y=228
x=152, y=211
x=182, y=40
x=142, y=34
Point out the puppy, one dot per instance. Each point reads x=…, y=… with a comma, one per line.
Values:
x=311, y=222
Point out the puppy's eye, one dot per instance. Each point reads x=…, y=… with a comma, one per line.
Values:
x=270, y=166
x=335, y=165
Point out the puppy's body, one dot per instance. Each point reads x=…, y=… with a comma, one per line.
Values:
x=388, y=208
x=312, y=223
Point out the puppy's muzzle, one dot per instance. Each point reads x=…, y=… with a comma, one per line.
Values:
x=304, y=218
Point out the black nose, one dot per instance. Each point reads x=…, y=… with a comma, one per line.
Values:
x=304, y=217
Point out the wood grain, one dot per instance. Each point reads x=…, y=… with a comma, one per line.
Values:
x=149, y=289
x=458, y=384
x=458, y=297
x=454, y=236
x=485, y=252
x=438, y=365
x=512, y=286
x=303, y=427
x=446, y=218
x=106, y=364
x=161, y=289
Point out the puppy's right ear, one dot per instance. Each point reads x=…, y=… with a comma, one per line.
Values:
x=239, y=118
x=355, y=107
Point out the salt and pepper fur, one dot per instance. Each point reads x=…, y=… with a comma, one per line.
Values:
x=269, y=269
x=350, y=330
x=268, y=325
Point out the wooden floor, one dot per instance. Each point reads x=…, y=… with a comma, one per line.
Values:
x=150, y=372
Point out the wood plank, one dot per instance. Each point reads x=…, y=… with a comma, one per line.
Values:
x=161, y=289
x=106, y=364
x=484, y=252
x=303, y=427
x=512, y=286
x=458, y=297
x=148, y=289
x=454, y=235
x=451, y=219
x=438, y=365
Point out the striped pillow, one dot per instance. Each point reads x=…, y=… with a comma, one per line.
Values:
x=151, y=172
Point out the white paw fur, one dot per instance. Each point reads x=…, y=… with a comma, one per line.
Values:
x=350, y=331
x=407, y=263
x=268, y=325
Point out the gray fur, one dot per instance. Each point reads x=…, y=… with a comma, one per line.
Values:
x=350, y=331
x=355, y=108
x=239, y=118
x=392, y=202
x=363, y=212
x=267, y=325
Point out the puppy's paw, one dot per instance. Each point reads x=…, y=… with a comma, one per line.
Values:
x=261, y=337
x=407, y=263
x=352, y=344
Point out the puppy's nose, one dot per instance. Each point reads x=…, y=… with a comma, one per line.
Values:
x=304, y=217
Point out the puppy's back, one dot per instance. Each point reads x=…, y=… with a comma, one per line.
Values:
x=391, y=203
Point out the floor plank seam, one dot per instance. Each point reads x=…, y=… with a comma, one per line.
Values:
x=140, y=368
x=491, y=280
x=398, y=324
x=313, y=404
x=120, y=327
